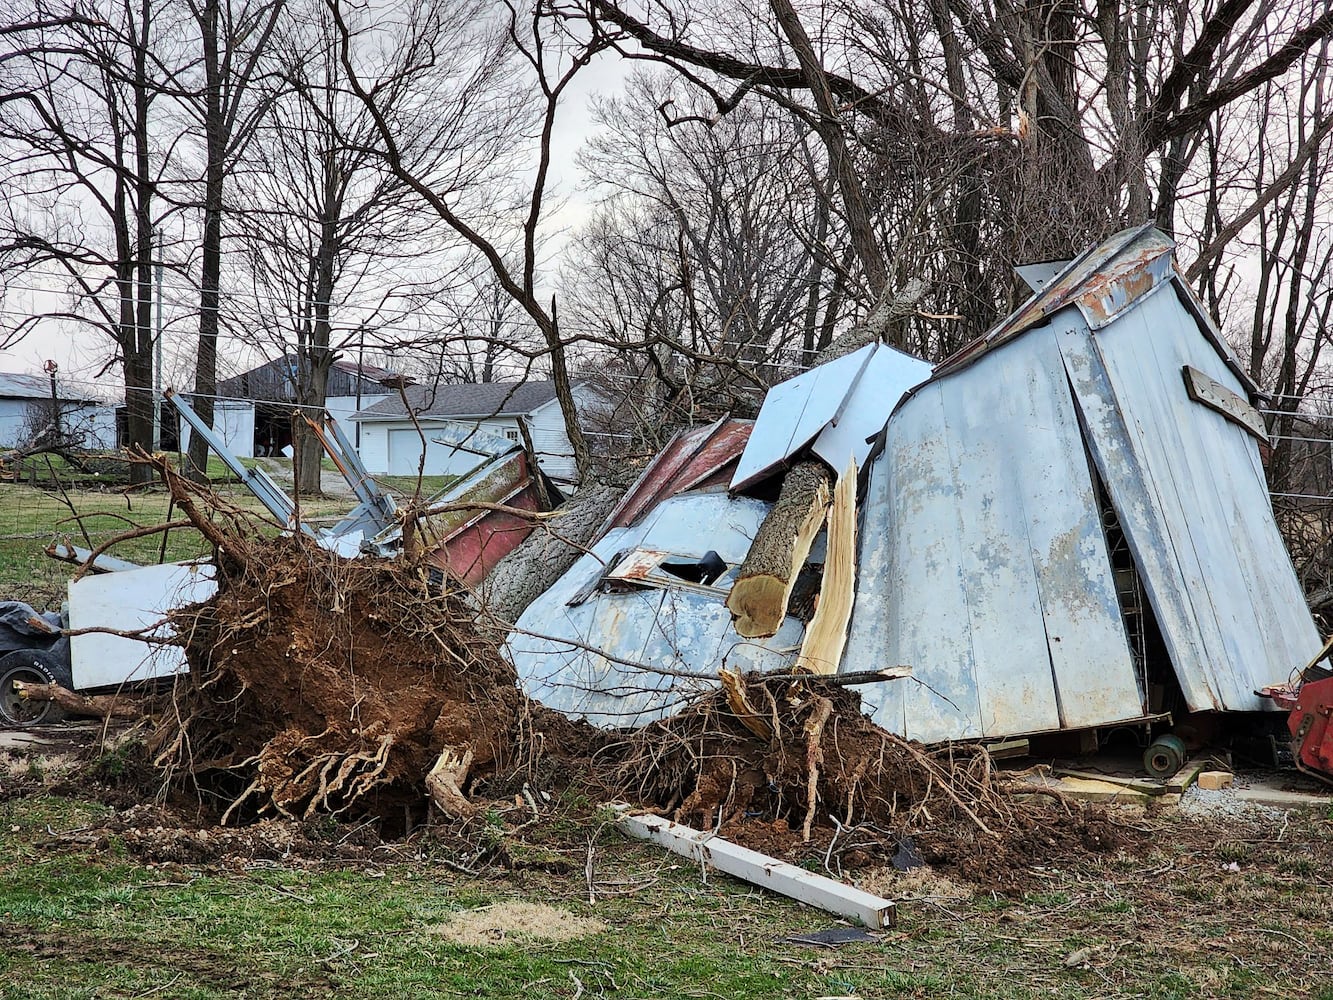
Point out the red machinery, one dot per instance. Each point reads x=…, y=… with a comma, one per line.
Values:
x=1310, y=702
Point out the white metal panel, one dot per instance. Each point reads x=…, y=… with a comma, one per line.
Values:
x=623, y=659
x=881, y=384
x=1188, y=486
x=795, y=411
x=984, y=562
x=127, y=601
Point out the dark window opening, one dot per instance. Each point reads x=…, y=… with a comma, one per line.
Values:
x=704, y=570
x=1159, y=689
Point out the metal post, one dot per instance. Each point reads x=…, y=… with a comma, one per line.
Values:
x=157, y=353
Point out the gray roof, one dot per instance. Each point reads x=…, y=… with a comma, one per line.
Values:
x=38, y=387
x=468, y=399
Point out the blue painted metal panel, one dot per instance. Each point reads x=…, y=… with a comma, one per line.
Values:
x=639, y=653
x=881, y=384
x=984, y=562
x=795, y=411
x=1189, y=489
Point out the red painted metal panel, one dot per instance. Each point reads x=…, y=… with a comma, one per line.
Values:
x=693, y=459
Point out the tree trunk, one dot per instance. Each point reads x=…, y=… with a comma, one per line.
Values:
x=137, y=347
x=544, y=556
x=206, y=361
x=758, y=599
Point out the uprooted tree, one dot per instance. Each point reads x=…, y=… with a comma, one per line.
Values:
x=357, y=688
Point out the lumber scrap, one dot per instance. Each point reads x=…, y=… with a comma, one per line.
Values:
x=872, y=911
x=758, y=599
x=101, y=706
x=826, y=635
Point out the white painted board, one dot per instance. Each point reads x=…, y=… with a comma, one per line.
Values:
x=867, y=909
x=128, y=601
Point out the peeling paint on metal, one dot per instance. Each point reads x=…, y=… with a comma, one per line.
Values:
x=624, y=658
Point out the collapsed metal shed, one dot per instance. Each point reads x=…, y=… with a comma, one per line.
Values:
x=1067, y=527
x=1070, y=520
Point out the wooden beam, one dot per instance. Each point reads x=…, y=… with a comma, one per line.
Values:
x=826, y=635
x=758, y=869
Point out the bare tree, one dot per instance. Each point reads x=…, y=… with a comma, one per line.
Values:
x=233, y=36
x=335, y=252
x=987, y=133
x=518, y=70
x=83, y=171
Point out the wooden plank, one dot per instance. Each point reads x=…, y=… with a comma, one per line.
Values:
x=1144, y=786
x=1186, y=776
x=1214, y=395
x=847, y=901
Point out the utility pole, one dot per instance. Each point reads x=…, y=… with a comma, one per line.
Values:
x=157, y=351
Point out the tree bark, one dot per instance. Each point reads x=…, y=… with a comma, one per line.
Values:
x=102, y=706
x=544, y=556
x=758, y=598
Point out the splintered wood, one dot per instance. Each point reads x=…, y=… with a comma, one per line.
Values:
x=826, y=635
x=758, y=599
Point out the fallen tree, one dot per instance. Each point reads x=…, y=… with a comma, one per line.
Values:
x=354, y=687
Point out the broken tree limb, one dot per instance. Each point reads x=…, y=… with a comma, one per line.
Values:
x=734, y=687
x=102, y=706
x=758, y=599
x=758, y=869
x=445, y=782
x=826, y=635
x=854, y=677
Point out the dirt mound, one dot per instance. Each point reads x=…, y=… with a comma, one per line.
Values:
x=790, y=766
x=324, y=684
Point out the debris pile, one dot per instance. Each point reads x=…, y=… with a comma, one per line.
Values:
x=320, y=684
x=780, y=761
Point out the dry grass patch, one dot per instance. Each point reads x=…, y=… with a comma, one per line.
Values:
x=499, y=925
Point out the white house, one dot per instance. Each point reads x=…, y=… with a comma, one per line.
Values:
x=27, y=398
x=391, y=444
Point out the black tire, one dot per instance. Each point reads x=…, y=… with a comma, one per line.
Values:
x=30, y=667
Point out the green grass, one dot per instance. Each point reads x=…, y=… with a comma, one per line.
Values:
x=32, y=516
x=83, y=922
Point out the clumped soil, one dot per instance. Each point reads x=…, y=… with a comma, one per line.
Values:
x=323, y=685
x=829, y=780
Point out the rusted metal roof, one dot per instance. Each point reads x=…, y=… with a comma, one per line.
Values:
x=695, y=458
x=1102, y=283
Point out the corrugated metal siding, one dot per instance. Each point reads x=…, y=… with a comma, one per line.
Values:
x=984, y=561
x=671, y=629
x=1189, y=488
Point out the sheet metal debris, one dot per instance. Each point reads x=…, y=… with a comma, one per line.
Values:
x=1056, y=535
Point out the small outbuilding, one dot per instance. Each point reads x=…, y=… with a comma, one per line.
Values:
x=27, y=411
x=1064, y=526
